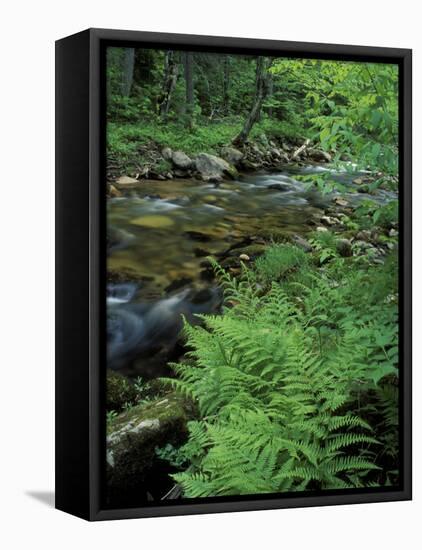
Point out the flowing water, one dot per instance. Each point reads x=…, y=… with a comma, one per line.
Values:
x=160, y=233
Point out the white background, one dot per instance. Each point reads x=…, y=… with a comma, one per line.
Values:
x=28, y=31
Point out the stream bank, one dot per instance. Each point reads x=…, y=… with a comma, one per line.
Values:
x=160, y=235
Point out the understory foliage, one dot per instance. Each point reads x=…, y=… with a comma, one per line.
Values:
x=296, y=382
x=348, y=108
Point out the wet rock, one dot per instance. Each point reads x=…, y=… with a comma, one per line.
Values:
x=181, y=173
x=119, y=392
x=231, y=155
x=118, y=238
x=340, y=202
x=344, y=248
x=133, y=436
x=231, y=261
x=113, y=192
x=157, y=176
x=181, y=160
x=178, y=284
x=207, y=274
x=200, y=252
x=321, y=229
x=126, y=274
x=318, y=156
x=302, y=243
x=212, y=168
x=204, y=295
x=244, y=258
x=126, y=180
x=197, y=236
x=363, y=179
x=248, y=164
x=280, y=186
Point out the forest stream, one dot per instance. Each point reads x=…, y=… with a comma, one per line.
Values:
x=161, y=233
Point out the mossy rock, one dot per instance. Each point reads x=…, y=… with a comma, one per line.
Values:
x=133, y=436
x=119, y=391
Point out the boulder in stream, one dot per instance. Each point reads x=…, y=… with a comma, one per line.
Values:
x=181, y=160
x=212, y=168
x=231, y=155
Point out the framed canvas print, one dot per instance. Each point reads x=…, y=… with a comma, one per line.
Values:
x=233, y=274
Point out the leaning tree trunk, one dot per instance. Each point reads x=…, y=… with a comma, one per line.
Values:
x=261, y=92
x=127, y=72
x=190, y=94
x=171, y=71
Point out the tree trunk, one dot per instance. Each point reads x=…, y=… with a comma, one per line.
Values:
x=190, y=94
x=127, y=72
x=270, y=93
x=261, y=92
x=171, y=71
x=226, y=84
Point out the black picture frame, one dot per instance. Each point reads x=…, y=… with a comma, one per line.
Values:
x=80, y=269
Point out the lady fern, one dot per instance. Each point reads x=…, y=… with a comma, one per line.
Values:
x=278, y=381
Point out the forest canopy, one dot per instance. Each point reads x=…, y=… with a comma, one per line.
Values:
x=196, y=101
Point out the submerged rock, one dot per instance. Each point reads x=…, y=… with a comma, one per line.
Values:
x=153, y=221
x=280, y=186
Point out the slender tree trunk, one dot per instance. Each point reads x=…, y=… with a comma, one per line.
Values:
x=226, y=84
x=270, y=93
x=171, y=71
x=261, y=92
x=190, y=92
x=127, y=72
